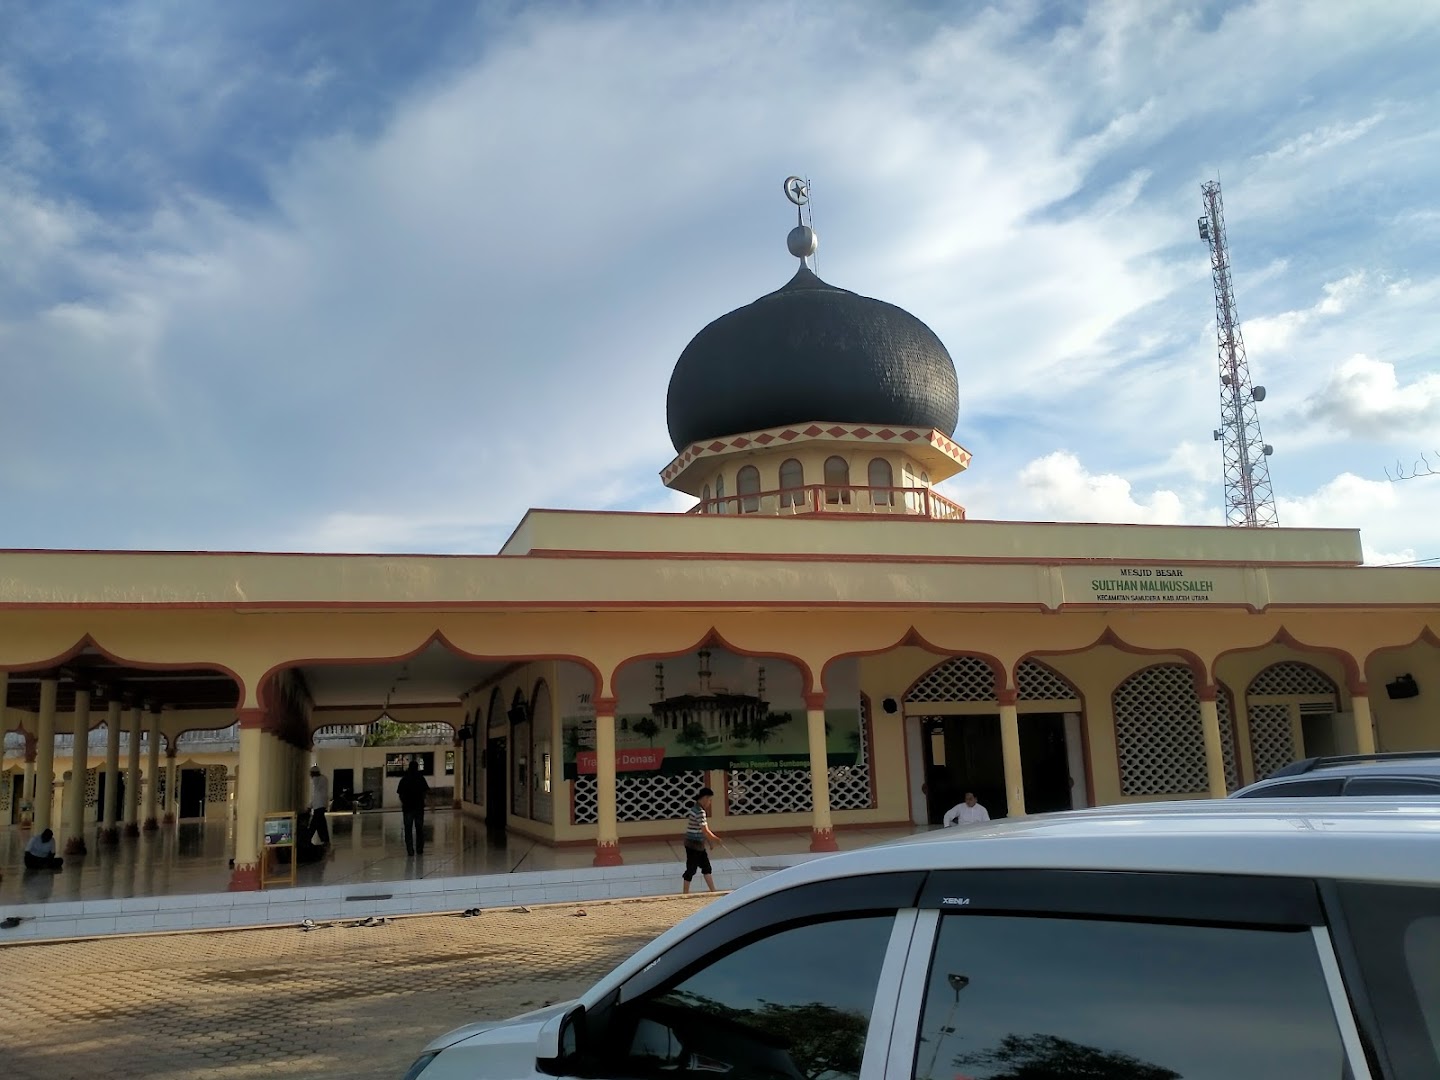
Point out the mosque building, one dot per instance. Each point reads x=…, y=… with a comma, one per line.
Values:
x=824, y=638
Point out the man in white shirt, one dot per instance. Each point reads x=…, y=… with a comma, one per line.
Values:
x=319, y=796
x=40, y=853
x=968, y=812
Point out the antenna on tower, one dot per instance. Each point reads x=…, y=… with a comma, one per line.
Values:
x=1249, y=499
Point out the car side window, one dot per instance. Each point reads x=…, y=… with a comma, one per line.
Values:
x=794, y=1004
x=1391, y=785
x=1297, y=789
x=1395, y=931
x=1014, y=996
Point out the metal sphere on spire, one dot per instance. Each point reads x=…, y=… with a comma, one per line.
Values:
x=802, y=241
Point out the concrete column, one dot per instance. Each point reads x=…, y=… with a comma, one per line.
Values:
x=109, y=815
x=132, y=773
x=1214, y=752
x=73, y=828
x=45, y=754
x=246, y=874
x=1364, y=721
x=171, y=810
x=152, y=773
x=822, y=830
x=27, y=791
x=607, y=835
x=1010, y=751
x=274, y=778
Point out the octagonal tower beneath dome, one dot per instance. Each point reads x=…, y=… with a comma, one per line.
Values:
x=814, y=399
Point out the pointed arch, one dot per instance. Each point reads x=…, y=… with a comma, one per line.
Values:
x=963, y=677
x=1036, y=680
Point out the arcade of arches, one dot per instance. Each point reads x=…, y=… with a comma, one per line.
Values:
x=594, y=726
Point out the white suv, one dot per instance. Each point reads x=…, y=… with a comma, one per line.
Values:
x=1273, y=939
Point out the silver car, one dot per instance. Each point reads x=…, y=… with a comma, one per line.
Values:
x=1273, y=939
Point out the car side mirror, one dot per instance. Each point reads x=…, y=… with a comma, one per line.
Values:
x=559, y=1036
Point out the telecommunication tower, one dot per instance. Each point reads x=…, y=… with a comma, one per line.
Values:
x=1249, y=500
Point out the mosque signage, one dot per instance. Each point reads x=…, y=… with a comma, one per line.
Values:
x=1153, y=585
x=716, y=710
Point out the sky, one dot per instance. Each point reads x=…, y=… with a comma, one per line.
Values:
x=376, y=277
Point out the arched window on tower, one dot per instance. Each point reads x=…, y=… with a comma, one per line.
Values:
x=747, y=486
x=882, y=479
x=912, y=497
x=720, y=507
x=705, y=506
x=792, y=479
x=837, y=480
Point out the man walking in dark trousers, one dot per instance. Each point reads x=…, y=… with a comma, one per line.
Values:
x=698, y=838
x=412, y=790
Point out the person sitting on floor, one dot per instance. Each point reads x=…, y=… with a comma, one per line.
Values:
x=40, y=853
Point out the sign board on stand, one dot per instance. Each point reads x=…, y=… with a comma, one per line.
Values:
x=277, y=834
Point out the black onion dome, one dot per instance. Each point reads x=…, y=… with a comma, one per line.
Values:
x=810, y=351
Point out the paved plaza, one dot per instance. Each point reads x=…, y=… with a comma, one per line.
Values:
x=193, y=858
x=345, y=1001
x=176, y=878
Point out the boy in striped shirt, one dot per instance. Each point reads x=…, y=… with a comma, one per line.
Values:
x=697, y=839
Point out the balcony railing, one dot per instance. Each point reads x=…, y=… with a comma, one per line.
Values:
x=922, y=502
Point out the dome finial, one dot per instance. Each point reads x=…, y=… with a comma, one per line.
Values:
x=802, y=241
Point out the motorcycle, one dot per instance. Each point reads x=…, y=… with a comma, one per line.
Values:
x=353, y=802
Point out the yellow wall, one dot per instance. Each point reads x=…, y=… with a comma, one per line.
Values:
x=1409, y=723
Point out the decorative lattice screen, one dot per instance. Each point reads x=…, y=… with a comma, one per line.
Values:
x=216, y=787
x=1290, y=677
x=640, y=797
x=1037, y=682
x=1159, y=737
x=1272, y=744
x=7, y=784
x=788, y=791
x=961, y=678
x=92, y=786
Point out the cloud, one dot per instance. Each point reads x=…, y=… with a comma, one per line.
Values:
x=1060, y=488
x=386, y=287
x=1397, y=521
x=1273, y=333
x=1364, y=398
x=1318, y=141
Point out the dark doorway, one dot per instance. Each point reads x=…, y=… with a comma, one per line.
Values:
x=342, y=786
x=17, y=796
x=962, y=753
x=100, y=778
x=1044, y=762
x=496, y=775
x=192, y=793
x=1318, y=731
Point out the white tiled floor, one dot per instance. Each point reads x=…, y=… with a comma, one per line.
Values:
x=177, y=878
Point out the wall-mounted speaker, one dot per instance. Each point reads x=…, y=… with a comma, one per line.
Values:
x=1403, y=686
x=518, y=714
x=890, y=705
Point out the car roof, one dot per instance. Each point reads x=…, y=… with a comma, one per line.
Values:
x=1418, y=765
x=1371, y=839
x=1379, y=838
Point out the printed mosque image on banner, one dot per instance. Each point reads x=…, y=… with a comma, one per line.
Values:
x=714, y=709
